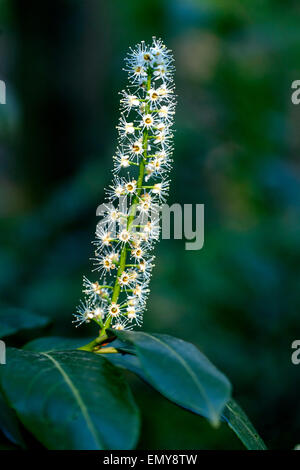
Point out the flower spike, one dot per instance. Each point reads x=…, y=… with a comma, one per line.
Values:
x=126, y=235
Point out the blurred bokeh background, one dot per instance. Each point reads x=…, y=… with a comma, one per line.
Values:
x=237, y=151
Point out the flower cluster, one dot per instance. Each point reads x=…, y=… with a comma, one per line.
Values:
x=125, y=237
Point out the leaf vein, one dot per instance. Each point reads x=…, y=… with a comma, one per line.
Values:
x=193, y=375
x=78, y=399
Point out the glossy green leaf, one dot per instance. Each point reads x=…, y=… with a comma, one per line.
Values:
x=129, y=362
x=13, y=320
x=180, y=372
x=241, y=425
x=70, y=399
x=9, y=424
x=234, y=416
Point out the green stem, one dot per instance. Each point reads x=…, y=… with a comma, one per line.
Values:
x=90, y=346
x=122, y=264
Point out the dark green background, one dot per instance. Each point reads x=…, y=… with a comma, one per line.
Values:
x=236, y=150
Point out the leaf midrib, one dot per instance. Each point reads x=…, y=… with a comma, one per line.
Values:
x=78, y=399
x=244, y=424
x=193, y=375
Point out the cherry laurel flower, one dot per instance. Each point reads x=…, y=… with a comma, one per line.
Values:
x=123, y=260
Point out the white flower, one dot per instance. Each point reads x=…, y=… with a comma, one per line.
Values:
x=141, y=291
x=114, y=257
x=137, y=253
x=131, y=187
x=126, y=278
x=84, y=312
x=113, y=214
x=124, y=161
x=114, y=309
x=107, y=263
x=153, y=95
x=160, y=137
x=137, y=147
x=125, y=127
x=163, y=91
x=129, y=101
x=148, y=120
x=116, y=190
x=145, y=205
x=165, y=112
x=93, y=289
x=103, y=237
x=119, y=326
x=158, y=49
x=133, y=100
x=103, y=263
x=99, y=313
x=161, y=189
x=124, y=236
x=133, y=276
x=160, y=72
x=151, y=230
x=147, y=57
x=121, y=161
x=154, y=166
x=139, y=71
x=145, y=267
x=131, y=312
x=161, y=126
